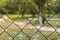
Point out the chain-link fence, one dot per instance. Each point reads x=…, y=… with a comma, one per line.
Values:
x=27, y=27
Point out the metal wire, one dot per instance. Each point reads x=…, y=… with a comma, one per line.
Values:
x=28, y=30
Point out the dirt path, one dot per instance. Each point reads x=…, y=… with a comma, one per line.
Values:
x=38, y=27
x=22, y=24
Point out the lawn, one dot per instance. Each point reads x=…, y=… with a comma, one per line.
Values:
x=26, y=33
x=18, y=18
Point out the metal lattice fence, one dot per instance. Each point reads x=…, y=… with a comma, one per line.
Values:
x=14, y=27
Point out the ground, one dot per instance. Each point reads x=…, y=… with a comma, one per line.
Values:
x=23, y=30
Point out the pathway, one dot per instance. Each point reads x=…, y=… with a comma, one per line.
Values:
x=38, y=27
x=33, y=27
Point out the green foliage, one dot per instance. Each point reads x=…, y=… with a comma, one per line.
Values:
x=21, y=6
x=54, y=6
x=24, y=6
x=3, y=3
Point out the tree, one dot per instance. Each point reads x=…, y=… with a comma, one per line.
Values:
x=2, y=5
x=34, y=6
x=41, y=5
x=54, y=6
x=21, y=6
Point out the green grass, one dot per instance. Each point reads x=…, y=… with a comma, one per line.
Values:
x=26, y=33
x=54, y=15
x=18, y=18
x=54, y=23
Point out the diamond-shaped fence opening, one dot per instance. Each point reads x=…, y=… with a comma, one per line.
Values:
x=46, y=33
x=5, y=21
x=21, y=36
x=32, y=31
x=13, y=30
x=5, y=36
x=38, y=36
x=54, y=36
x=18, y=22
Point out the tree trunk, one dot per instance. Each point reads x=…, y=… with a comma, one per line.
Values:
x=40, y=19
x=41, y=12
x=22, y=15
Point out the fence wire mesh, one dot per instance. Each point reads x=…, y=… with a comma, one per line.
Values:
x=27, y=27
